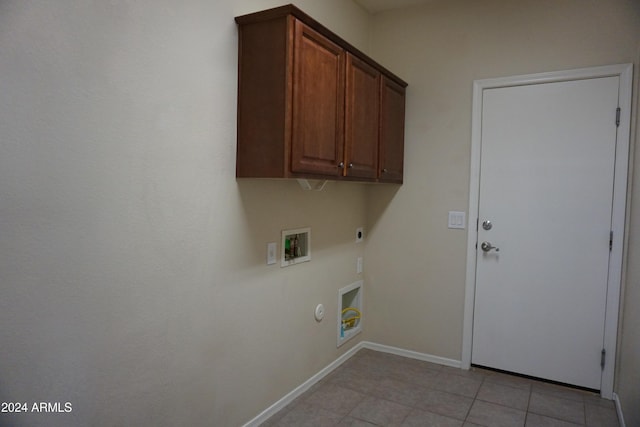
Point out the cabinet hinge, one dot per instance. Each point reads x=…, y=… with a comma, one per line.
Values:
x=610, y=240
x=617, y=116
x=603, y=355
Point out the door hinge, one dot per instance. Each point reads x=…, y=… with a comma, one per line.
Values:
x=603, y=355
x=617, y=116
x=610, y=240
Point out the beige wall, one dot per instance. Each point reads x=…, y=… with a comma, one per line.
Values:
x=132, y=264
x=131, y=261
x=415, y=265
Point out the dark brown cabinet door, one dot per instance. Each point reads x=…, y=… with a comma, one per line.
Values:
x=392, y=97
x=310, y=104
x=318, y=104
x=361, y=119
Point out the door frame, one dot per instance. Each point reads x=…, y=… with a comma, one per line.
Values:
x=625, y=73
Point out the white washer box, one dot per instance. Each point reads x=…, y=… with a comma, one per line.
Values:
x=349, y=324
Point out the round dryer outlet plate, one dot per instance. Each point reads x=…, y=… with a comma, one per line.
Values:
x=319, y=312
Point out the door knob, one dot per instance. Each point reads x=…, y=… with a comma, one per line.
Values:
x=487, y=225
x=487, y=246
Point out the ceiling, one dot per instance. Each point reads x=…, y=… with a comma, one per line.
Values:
x=374, y=6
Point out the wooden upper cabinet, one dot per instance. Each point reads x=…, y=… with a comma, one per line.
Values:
x=392, y=99
x=318, y=106
x=362, y=118
x=310, y=105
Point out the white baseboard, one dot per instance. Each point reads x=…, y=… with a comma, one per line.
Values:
x=412, y=354
x=291, y=396
x=616, y=399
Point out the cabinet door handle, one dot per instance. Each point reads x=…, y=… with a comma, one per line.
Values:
x=384, y=170
x=350, y=165
x=341, y=165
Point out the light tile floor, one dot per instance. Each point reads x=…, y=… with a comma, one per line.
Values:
x=380, y=389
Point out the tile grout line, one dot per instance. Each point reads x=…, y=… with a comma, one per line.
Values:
x=475, y=397
x=526, y=417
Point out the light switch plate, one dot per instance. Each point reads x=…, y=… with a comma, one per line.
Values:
x=271, y=253
x=359, y=265
x=457, y=219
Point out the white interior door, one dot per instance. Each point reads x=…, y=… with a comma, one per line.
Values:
x=546, y=186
